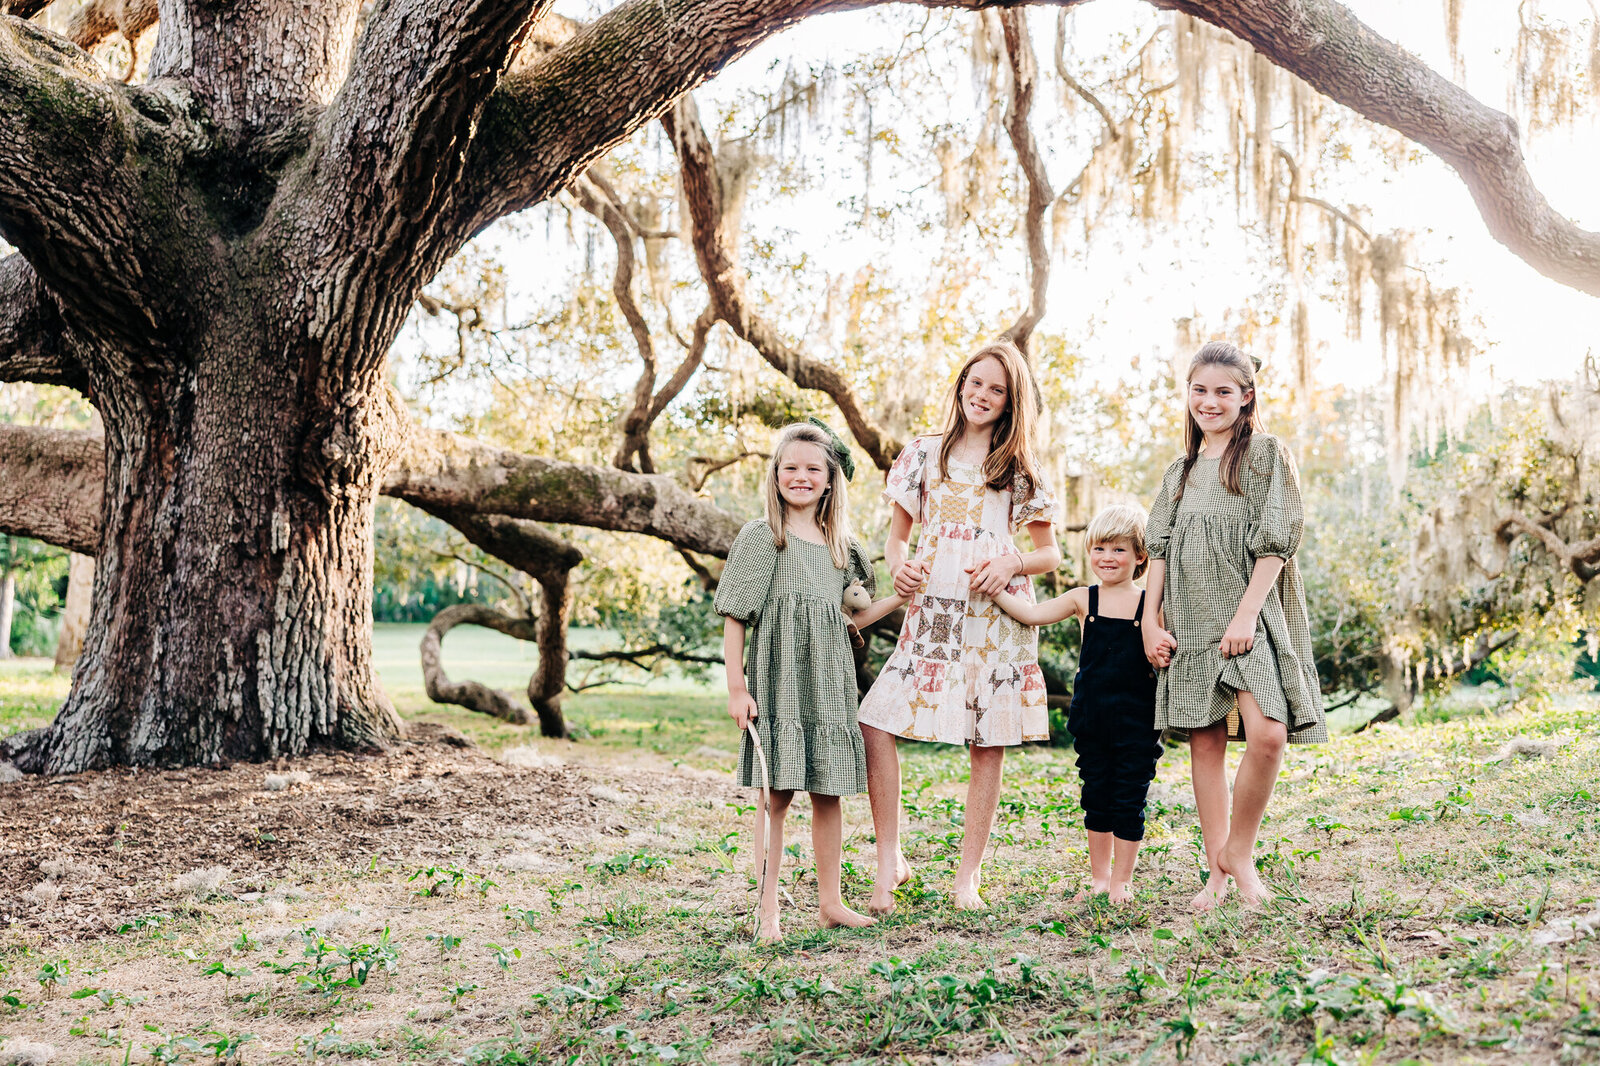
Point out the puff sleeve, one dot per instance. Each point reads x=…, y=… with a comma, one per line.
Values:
x=1158, y=530
x=1031, y=503
x=908, y=476
x=742, y=591
x=1277, y=516
x=861, y=568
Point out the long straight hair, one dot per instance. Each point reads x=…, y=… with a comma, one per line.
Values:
x=1011, y=446
x=833, y=508
x=1243, y=371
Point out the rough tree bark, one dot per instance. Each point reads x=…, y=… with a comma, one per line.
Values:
x=221, y=257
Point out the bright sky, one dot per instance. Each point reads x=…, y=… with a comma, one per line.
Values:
x=1119, y=297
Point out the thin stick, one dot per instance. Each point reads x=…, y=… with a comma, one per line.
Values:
x=766, y=820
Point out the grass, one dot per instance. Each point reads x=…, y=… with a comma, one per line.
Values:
x=1415, y=874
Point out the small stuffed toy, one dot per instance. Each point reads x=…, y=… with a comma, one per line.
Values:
x=856, y=598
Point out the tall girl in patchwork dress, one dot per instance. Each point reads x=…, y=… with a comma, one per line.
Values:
x=784, y=581
x=1222, y=538
x=963, y=671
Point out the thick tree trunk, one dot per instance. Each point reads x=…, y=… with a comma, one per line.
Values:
x=75, y=615
x=231, y=613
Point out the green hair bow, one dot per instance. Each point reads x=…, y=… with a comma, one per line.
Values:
x=847, y=461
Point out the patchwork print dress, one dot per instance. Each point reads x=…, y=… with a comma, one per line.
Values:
x=963, y=670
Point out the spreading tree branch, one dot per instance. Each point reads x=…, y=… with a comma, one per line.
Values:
x=1019, y=111
x=1582, y=558
x=395, y=144
x=473, y=695
x=715, y=252
x=1324, y=44
x=33, y=342
x=68, y=187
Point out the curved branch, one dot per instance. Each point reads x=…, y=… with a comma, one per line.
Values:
x=714, y=249
x=68, y=186
x=472, y=695
x=32, y=335
x=1582, y=558
x=1324, y=44
x=1019, y=110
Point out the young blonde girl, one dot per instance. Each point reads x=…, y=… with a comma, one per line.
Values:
x=962, y=672
x=1222, y=536
x=784, y=581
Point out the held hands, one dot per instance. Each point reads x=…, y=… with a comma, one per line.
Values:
x=910, y=577
x=741, y=708
x=1158, y=645
x=1240, y=636
x=993, y=575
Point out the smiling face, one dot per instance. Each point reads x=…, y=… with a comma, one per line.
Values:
x=802, y=474
x=1114, y=561
x=985, y=393
x=1215, y=400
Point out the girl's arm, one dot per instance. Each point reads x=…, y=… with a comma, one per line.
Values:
x=879, y=608
x=993, y=575
x=908, y=577
x=741, y=705
x=1158, y=643
x=1070, y=604
x=1241, y=634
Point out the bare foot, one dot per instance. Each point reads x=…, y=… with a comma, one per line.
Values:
x=967, y=898
x=1096, y=886
x=1252, y=893
x=1121, y=893
x=769, y=930
x=834, y=915
x=1210, y=897
x=882, y=901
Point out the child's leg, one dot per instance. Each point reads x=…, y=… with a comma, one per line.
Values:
x=1208, y=750
x=827, y=840
x=1099, y=866
x=1127, y=856
x=1133, y=764
x=983, y=796
x=883, y=791
x=1093, y=764
x=768, y=912
x=1252, y=788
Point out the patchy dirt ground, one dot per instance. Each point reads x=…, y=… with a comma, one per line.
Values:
x=114, y=842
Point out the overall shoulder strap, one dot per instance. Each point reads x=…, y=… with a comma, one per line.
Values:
x=1138, y=611
x=1094, y=602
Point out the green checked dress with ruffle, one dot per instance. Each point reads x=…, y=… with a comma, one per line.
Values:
x=1211, y=539
x=798, y=662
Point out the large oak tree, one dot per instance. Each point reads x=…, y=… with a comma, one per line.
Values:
x=220, y=257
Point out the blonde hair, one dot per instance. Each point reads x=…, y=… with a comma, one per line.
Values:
x=1011, y=447
x=1123, y=521
x=1243, y=370
x=833, y=507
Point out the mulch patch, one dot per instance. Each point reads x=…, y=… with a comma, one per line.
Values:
x=123, y=836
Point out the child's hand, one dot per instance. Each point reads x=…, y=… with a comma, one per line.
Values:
x=910, y=577
x=993, y=575
x=1240, y=636
x=741, y=708
x=1159, y=646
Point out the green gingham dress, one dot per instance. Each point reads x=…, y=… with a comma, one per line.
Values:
x=798, y=661
x=1211, y=540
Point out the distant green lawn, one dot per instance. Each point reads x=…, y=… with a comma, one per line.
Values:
x=670, y=716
